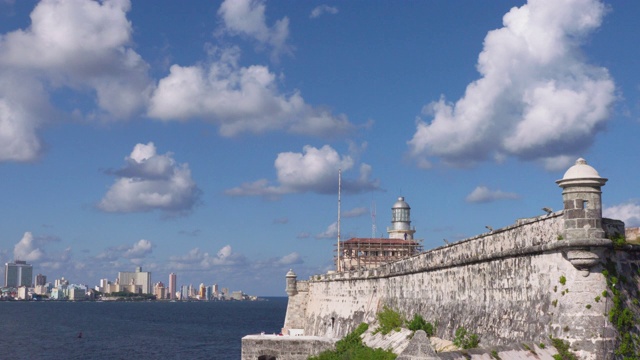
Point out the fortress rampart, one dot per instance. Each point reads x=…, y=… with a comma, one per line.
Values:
x=540, y=277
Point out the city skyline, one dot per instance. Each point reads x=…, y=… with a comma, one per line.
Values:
x=205, y=140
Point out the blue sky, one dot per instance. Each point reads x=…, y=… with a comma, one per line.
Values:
x=205, y=138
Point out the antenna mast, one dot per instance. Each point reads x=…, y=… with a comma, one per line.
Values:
x=374, y=229
x=338, y=267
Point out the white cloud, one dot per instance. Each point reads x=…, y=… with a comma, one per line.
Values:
x=330, y=233
x=355, y=212
x=483, y=194
x=31, y=249
x=290, y=259
x=75, y=45
x=628, y=212
x=196, y=259
x=28, y=249
x=139, y=250
x=323, y=9
x=246, y=17
x=239, y=99
x=536, y=99
x=313, y=170
x=150, y=181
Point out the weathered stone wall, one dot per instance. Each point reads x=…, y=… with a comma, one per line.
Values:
x=505, y=286
x=267, y=347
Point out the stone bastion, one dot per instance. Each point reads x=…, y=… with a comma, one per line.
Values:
x=541, y=277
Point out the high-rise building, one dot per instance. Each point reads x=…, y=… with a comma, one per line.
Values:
x=202, y=292
x=172, y=286
x=41, y=279
x=17, y=274
x=159, y=291
x=139, y=277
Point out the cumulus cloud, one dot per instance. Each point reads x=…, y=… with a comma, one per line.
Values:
x=239, y=99
x=150, y=181
x=355, y=212
x=537, y=99
x=323, y=9
x=78, y=45
x=246, y=17
x=137, y=251
x=31, y=249
x=197, y=259
x=483, y=194
x=313, y=170
x=290, y=259
x=330, y=233
x=629, y=212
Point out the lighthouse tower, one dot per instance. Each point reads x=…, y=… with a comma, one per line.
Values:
x=401, y=221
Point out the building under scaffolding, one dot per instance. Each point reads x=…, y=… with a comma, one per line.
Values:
x=369, y=253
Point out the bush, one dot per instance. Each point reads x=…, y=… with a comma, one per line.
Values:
x=351, y=348
x=465, y=340
x=563, y=350
x=418, y=323
x=388, y=319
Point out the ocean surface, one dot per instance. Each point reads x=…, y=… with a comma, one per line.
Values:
x=134, y=330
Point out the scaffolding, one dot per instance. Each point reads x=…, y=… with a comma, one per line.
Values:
x=370, y=253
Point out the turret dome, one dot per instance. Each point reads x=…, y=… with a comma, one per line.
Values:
x=581, y=174
x=400, y=204
x=580, y=171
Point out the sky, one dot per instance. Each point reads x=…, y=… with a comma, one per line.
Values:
x=204, y=138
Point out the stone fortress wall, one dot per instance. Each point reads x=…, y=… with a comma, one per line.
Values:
x=504, y=285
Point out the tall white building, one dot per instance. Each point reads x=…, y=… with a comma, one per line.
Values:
x=139, y=277
x=17, y=274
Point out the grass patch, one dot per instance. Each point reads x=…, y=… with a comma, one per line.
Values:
x=351, y=348
x=465, y=340
x=389, y=320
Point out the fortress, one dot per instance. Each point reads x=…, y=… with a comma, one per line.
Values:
x=557, y=275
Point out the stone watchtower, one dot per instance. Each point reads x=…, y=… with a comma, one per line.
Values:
x=292, y=286
x=582, y=199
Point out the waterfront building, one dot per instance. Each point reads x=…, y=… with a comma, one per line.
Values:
x=368, y=253
x=172, y=286
x=41, y=279
x=202, y=293
x=159, y=291
x=23, y=293
x=77, y=293
x=61, y=283
x=216, y=291
x=139, y=278
x=18, y=273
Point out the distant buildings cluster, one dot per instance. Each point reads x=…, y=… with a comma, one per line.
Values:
x=19, y=285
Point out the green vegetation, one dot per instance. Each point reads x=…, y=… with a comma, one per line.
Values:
x=560, y=237
x=597, y=298
x=563, y=280
x=618, y=241
x=541, y=345
x=494, y=354
x=621, y=317
x=351, y=348
x=465, y=340
x=554, y=302
x=418, y=323
x=389, y=320
x=563, y=350
x=588, y=306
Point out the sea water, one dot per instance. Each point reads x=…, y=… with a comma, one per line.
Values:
x=134, y=330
